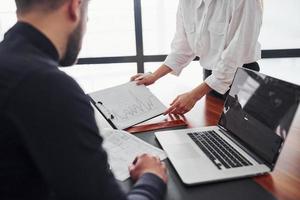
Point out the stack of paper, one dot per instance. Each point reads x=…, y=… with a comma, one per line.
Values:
x=122, y=149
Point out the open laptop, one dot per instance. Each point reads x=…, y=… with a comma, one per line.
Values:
x=247, y=141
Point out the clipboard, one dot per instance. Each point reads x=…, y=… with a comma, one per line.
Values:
x=126, y=105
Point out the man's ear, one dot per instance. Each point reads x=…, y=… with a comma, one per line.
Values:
x=75, y=9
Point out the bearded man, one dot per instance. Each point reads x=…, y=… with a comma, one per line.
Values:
x=50, y=146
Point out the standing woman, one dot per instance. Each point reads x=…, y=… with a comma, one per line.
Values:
x=223, y=34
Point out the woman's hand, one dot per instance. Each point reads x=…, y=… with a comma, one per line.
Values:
x=182, y=104
x=144, y=79
x=185, y=102
x=150, y=78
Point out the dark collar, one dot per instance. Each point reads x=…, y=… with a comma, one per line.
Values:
x=35, y=37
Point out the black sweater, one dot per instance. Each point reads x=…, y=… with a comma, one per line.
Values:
x=50, y=146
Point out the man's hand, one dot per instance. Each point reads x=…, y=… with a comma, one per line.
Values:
x=147, y=163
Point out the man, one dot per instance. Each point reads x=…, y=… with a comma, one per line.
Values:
x=50, y=147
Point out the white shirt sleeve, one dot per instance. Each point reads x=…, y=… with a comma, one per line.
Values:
x=244, y=29
x=181, y=53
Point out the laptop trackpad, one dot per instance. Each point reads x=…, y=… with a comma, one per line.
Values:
x=182, y=151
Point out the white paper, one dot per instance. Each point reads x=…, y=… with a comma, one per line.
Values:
x=122, y=148
x=128, y=103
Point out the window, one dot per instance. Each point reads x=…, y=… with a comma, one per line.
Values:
x=95, y=77
x=159, y=23
x=281, y=25
x=7, y=16
x=110, y=29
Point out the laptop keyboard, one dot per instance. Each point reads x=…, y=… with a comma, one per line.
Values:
x=218, y=150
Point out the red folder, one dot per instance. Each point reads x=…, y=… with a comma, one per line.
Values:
x=167, y=123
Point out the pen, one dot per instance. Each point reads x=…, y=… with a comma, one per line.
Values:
x=135, y=160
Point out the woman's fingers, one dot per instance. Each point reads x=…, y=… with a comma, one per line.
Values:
x=171, y=108
x=133, y=78
x=174, y=100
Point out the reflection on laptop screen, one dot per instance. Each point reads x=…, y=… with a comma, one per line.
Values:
x=259, y=111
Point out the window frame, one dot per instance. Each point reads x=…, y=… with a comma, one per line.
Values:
x=140, y=58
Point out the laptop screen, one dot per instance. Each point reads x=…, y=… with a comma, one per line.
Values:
x=259, y=111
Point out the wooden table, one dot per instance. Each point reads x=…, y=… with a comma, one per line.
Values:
x=284, y=181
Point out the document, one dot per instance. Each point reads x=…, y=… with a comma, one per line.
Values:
x=122, y=148
x=126, y=105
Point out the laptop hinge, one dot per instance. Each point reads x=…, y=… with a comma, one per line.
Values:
x=240, y=143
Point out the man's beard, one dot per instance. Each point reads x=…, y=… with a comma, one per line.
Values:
x=73, y=47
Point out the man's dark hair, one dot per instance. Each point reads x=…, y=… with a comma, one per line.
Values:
x=26, y=5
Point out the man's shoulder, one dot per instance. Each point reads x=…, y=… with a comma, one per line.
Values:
x=48, y=78
x=16, y=63
x=16, y=68
x=21, y=72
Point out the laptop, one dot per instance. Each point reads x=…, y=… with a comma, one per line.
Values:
x=247, y=141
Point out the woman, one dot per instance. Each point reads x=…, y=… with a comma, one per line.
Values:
x=223, y=33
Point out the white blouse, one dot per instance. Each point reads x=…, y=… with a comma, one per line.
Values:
x=223, y=33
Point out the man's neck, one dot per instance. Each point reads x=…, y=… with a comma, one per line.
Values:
x=50, y=27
